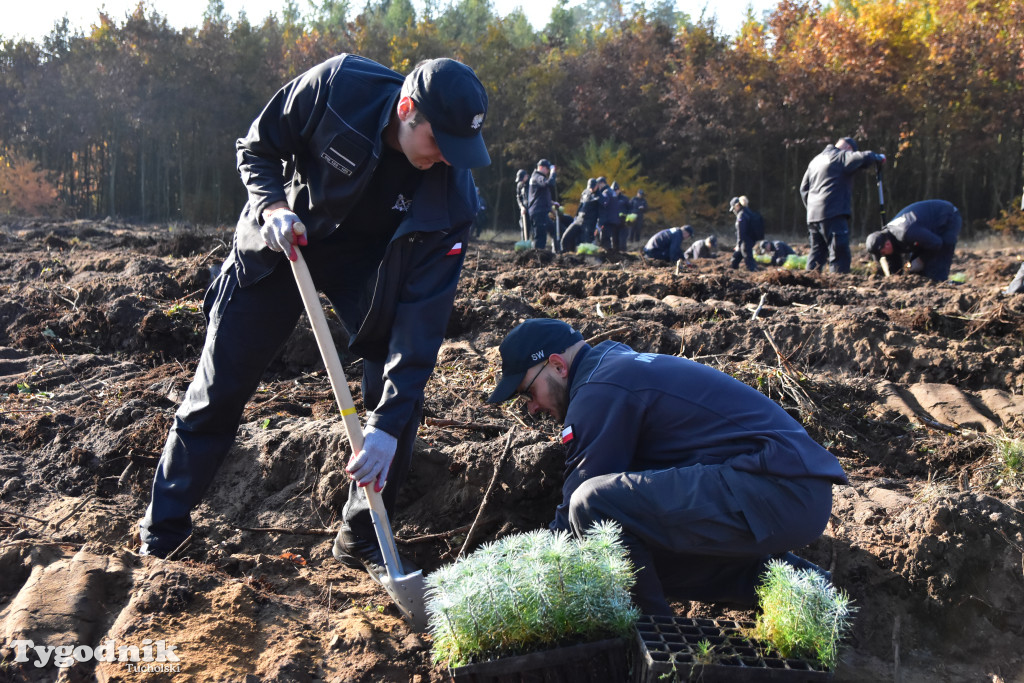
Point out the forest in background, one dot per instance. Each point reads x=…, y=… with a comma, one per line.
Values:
x=138, y=120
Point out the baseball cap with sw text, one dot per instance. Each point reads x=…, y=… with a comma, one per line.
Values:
x=453, y=100
x=529, y=343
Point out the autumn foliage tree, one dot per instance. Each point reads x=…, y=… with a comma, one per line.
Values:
x=25, y=189
x=137, y=119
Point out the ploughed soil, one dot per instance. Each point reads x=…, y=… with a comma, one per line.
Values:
x=907, y=382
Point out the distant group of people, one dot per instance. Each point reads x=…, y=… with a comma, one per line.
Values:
x=920, y=239
x=606, y=215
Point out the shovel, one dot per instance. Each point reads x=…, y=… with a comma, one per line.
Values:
x=881, y=194
x=407, y=590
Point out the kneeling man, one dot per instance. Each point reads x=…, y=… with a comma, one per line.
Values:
x=709, y=478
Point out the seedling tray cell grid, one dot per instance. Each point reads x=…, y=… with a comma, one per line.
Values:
x=709, y=650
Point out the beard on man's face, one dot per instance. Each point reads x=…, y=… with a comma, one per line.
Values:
x=559, y=393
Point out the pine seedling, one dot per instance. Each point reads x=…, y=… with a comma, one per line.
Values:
x=1010, y=453
x=802, y=614
x=529, y=592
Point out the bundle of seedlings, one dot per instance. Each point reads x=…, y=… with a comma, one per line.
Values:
x=530, y=592
x=795, y=262
x=588, y=249
x=802, y=615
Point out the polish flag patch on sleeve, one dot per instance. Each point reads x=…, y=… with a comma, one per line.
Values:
x=567, y=434
x=455, y=250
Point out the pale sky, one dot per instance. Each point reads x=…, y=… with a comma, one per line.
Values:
x=25, y=19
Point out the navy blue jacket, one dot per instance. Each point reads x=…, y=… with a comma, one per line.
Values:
x=315, y=146
x=926, y=230
x=613, y=207
x=666, y=245
x=924, y=227
x=632, y=412
x=749, y=226
x=827, y=187
x=589, y=201
x=638, y=205
x=538, y=200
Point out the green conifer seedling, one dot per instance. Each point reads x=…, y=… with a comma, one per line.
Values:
x=529, y=592
x=802, y=614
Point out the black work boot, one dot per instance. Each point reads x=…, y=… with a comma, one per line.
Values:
x=360, y=553
x=800, y=563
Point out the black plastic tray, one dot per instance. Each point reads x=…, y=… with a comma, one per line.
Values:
x=668, y=651
x=603, y=660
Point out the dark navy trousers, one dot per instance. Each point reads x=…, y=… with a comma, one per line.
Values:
x=703, y=532
x=246, y=329
x=830, y=243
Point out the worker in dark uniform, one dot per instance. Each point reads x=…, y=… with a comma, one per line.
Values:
x=637, y=208
x=827, y=193
x=587, y=212
x=370, y=172
x=667, y=245
x=709, y=478
x=522, y=189
x=921, y=238
x=749, y=229
x=572, y=235
x=539, y=203
x=612, y=218
x=704, y=248
x=777, y=249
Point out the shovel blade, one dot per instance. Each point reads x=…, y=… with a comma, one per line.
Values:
x=408, y=592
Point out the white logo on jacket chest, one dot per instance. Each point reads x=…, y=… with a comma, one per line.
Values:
x=402, y=204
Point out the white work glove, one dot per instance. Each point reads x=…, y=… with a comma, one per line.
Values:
x=915, y=266
x=281, y=229
x=372, y=463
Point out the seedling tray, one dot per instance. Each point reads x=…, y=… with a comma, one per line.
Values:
x=603, y=660
x=668, y=649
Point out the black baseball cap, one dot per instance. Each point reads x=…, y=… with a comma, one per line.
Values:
x=851, y=142
x=876, y=241
x=455, y=103
x=529, y=343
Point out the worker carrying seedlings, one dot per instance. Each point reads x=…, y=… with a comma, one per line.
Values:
x=371, y=171
x=920, y=239
x=709, y=478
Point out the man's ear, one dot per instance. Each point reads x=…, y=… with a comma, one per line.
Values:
x=406, y=107
x=559, y=363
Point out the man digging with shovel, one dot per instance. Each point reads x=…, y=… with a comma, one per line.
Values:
x=371, y=171
x=709, y=478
